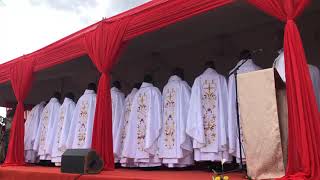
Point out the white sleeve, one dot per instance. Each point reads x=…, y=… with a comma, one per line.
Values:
x=154, y=124
x=232, y=115
x=223, y=114
x=194, y=121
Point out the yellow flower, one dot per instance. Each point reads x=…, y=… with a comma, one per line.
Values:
x=225, y=177
x=217, y=178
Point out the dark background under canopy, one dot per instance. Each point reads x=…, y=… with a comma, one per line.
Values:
x=217, y=35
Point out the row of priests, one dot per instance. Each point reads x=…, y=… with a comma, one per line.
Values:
x=51, y=127
x=174, y=127
x=178, y=126
x=182, y=124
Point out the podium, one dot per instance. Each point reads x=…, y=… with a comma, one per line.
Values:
x=263, y=119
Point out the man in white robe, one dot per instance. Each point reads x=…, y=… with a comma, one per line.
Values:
x=175, y=146
x=117, y=99
x=279, y=64
x=48, y=117
x=207, y=116
x=30, y=132
x=61, y=126
x=141, y=142
x=127, y=162
x=233, y=134
x=80, y=133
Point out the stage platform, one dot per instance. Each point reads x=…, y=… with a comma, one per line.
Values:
x=53, y=173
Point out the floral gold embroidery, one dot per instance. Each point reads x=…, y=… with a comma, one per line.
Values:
x=208, y=101
x=60, y=125
x=126, y=119
x=44, y=129
x=82, y=131
x=169, y=117
x=141, y=124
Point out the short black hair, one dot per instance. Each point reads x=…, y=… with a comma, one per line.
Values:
x=92, y=86
x=116, y=84
x=137, y=85
x=70, y=95
x=57, y=95
x=210, y=64
x=178, y=72
x=245, y=54
x=148, y=78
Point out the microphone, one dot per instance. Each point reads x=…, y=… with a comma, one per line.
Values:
x=257, y=51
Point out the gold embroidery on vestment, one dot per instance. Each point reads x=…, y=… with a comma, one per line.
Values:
x=44, y=129
x=209, y=100
x=82, y=131
x=60, y=125
x=142, y=118
x=126, y=119
x=169, y=118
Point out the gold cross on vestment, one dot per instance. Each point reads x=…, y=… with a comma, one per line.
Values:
x=142, y=98
x=170, y=97
x=209, y=88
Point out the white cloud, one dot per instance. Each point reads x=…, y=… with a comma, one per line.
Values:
x=70, y=5
x=28, y=25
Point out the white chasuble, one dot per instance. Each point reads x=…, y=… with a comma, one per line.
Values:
x=117, y=99
x=62, y=126
x=175, y=146
x=279, y=64
x=315, y=77
x=80, y=133
x=46, y=129
x=126, y=162
x=30, y=134
x=233, y=145
x=207, y=117
x=141, y=142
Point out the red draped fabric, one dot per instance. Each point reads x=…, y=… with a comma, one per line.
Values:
x=21, y=80
x=303, y=117
x=166, y=12
x=103, y=46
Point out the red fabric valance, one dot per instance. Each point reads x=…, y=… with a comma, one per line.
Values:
x=303, y=117
x=21, y=80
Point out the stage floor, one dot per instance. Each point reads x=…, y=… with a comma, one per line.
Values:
x=53, y=173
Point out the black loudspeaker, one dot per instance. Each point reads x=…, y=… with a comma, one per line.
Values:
x=81, y=161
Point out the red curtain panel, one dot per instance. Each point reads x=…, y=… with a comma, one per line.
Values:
x=103, y=46
x=303, y=116
x=21, y=81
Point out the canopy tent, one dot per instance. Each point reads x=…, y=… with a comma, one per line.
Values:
x=102, y=48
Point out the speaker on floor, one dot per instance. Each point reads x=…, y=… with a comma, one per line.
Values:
x=81, y=161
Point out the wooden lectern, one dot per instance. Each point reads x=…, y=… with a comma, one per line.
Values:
x=263, y=118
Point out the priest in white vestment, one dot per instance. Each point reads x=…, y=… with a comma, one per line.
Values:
x=233, y=134
x=30, y=132
x=48, y=117
x=80, y=133
x=207, y=116
x=141, y=142
x=117, y=99
x=126, y=162
x=61, y=127
x=279, y=64
x=175, y=146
